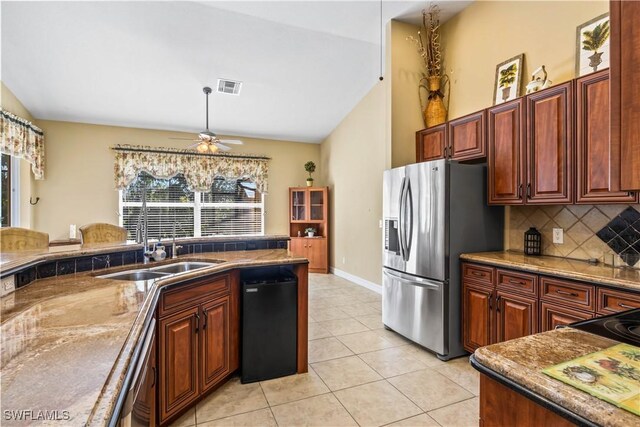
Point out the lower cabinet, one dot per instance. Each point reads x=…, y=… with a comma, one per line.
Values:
x=315, y=250
x=477, y=315
x=198, y=345
x=553, y=316
x=516, y=316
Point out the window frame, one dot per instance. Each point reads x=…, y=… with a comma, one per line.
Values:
x=14, y=189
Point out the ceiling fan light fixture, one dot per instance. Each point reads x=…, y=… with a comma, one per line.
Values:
x=203, y=147
x=213, y=148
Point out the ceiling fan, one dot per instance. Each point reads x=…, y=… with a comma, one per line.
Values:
x=208, y=141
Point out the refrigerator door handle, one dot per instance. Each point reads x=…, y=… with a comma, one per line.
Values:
x=409, y=237
x=415, y=281
x=401, y=221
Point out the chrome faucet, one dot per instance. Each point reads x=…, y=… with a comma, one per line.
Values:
x=142, y=227
x=174, y=250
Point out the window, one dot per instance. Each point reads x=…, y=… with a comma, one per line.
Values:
x=231, y=208
x=10, y=191
x=5, y=190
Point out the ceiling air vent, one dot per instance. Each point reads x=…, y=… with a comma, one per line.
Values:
x=229, y=86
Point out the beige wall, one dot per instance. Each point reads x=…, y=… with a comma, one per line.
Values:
x=406, y=72
x=13, y=105
x=353, y=158
x=79, y=187
x=488, y=32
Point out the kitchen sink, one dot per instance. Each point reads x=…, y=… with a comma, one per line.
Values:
x=150, y=273
x=134, y=275
x=181, y=267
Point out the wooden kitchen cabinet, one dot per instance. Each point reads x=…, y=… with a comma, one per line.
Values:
x=597, y=157
x=550, y=146
x=314, y=249
x=625, y=89
x=315, y=201
x=516, y=316
x=553, y=316
x=199, y=345
x=477, y=316
x=431, y=143
x=506, y=153
x=466, y=137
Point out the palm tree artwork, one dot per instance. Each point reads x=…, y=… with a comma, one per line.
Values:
x=594, y=40
x=507, y=78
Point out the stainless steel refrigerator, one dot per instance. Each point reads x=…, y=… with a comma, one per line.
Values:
x=433, y=212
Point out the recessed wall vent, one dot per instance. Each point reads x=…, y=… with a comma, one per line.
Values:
x=230, y=87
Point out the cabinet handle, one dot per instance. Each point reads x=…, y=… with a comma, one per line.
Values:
x=153, y=370
x=520, y=191
x=571, y=294
x=498, y=304
x=204, y=321
x=476, y=273
x=624, y=305
x=197, y=322
x=529, y=191
x=631, y=193
x=515, y=282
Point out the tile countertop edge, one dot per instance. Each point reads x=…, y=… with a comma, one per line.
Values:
x=491, y=258
x=574, y=401
x=105, y=407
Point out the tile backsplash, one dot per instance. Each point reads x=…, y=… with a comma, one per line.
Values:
x=581, y=224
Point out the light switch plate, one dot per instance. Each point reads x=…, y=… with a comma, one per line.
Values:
x=558, y=236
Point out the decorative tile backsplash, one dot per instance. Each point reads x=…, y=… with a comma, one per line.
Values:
x=622, y=235
x=581, y=224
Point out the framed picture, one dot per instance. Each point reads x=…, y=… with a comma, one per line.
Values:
x=508, y=80
x=592, y=45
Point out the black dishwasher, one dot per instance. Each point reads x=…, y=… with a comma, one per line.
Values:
x=269, y=324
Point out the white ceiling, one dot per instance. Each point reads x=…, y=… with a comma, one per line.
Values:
x=304, y=64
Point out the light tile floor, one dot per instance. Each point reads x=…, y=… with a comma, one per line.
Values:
x=359, y=374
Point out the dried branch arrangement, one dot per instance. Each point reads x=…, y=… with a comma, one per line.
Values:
x=428, y=41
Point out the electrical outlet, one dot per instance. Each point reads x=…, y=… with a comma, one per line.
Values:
x=558, y=236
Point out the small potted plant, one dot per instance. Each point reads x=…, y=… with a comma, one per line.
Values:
x=310, y=231
x=310, y=167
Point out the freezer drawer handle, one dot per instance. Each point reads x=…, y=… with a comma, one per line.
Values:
x=416, y=281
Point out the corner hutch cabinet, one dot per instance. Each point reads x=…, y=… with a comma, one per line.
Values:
x=309, y=208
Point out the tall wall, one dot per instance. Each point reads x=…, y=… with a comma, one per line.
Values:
x=79, y=185
x=487, y=33
x=353, y=158
x=10, y=103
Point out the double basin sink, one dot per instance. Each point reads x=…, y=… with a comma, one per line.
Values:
x=157, y=272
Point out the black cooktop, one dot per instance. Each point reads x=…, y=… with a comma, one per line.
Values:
x=623, y=327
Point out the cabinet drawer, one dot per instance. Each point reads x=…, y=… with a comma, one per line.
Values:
x=573, y=294
x=552, y=316
x=522, y=283
x=610, y=301
x=478, y=273
x=189, y=294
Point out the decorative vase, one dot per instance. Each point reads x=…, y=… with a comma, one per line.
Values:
x=434, y=112
x=310, y=234
x=506, y=92
x=309, y=183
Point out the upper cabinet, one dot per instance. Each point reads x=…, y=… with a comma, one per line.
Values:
x=597, y=157
x=506, y=153
x=550, y=145
x=625, y=89
x=461, y=139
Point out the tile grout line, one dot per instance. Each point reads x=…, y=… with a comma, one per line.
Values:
x=334, y=396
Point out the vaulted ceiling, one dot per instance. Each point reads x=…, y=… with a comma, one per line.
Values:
x=304, y=64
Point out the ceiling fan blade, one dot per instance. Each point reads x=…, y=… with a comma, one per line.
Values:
x=222, y=147
x=184, y=139
x=232, y=141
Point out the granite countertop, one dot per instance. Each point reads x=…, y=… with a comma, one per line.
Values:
x=67, y=341
x=13, y=260
x=561, y=267
x=522, y=359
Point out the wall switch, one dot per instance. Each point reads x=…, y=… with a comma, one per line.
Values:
x=380, y=224
x=558, y=236
x=72, y=231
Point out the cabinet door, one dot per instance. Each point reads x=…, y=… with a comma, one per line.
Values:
x=214, y=342
x=317, y=254
x=144, y=406
x=598, y=160
x=298, y=203
x=516, y=316
x=298, y=246
x=178, y=380
x=467, y=137
x=431, y=143
x=553, y=315
x=476, y=316
x=625, y=86
x=506, y=153
x=317, y=204
x=550, y=145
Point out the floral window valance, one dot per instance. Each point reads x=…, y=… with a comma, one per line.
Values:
x=21, y=138
x=198, y=169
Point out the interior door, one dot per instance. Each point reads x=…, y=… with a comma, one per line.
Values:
x=426, y=227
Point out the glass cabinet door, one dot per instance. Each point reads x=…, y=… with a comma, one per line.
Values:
x=316, y=198
x=298, y=205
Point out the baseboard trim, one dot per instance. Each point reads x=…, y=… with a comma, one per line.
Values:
x=357, y=280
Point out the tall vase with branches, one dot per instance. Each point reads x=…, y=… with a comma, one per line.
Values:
x=434, y=80
x=594, y=40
